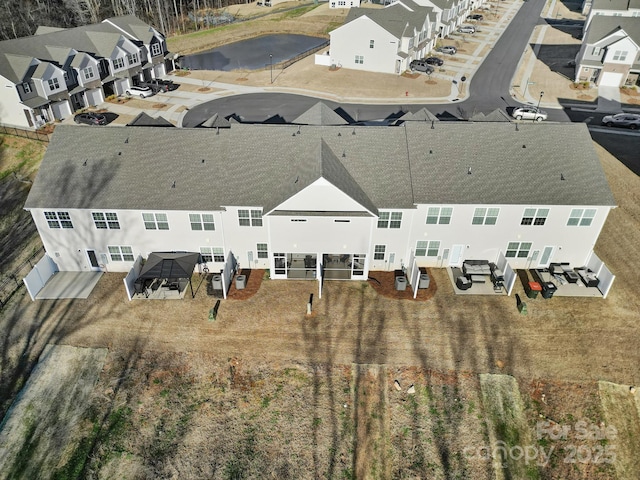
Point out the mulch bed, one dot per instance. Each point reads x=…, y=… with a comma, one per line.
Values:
x=386, y=286
x=254, y=280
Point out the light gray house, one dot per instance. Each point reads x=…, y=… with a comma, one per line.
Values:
x=50, y=75
x=384, y=40
x=610, y=52
x=609, y=8
x=322, y=202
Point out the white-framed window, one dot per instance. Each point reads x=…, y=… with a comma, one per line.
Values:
x=485, y=216
x=518, y=249
x=26, y=87
x=106, y=220
x=359, y=59
x=133, y=58
x=596, y=51
x=263, y=251
x=119, y=253
x=581, y=217
x=201, y=221
x=58, y=219
x=620, y=55
x=155, y=49
x=426, y=248
x=118, y=63
x=87, y=73
x=389, y=219
x=212, y=254
x=372, y=43
x=534, y=216
x=155, y=221
x=379, y=251
x=53, y=84
x=250, y=218
x=439, y=215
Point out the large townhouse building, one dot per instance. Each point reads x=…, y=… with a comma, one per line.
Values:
x=50, y=75
x=322, y=202
x=609, y=8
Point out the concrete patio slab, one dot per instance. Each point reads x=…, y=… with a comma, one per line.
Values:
x=69, y=285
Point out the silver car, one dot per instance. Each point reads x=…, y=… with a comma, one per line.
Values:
x=628, y=120
x=467, y=29
x=529, y=113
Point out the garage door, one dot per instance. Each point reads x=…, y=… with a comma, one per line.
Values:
x=158, y=70
x=94, y=97
x=121, y=86
x=61, y=110
x=610, y=79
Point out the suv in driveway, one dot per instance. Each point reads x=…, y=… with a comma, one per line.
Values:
x=467, y=29
x=450, y=50
x=628, y=120
x=158, y=85
x=421, y=66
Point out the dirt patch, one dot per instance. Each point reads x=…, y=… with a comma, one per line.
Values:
x=384, y=284
x=620, y=434
x=40, y=431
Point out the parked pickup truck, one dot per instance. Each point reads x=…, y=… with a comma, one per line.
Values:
x=158, y=85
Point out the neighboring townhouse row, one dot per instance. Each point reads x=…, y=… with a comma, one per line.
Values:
x=611, y=8
x=330, y=202
x=610, y=52
x=50, y=75
x=386, y=40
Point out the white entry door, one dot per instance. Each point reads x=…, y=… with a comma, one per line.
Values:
x=456, y=255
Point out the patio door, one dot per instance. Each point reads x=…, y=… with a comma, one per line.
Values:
x=456, y=255
x=93, y=260
x=545, y=259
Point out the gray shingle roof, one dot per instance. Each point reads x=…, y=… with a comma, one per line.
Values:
x=133, y=26
x=615, y=4
x=422, y=115
x=320, y=114
x=263, y=165
x=395, y=18
x=496, y=115
x=602, y=26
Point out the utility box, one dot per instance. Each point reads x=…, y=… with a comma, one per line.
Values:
x=401, y=283
x=216, y=281
x=424, y=281
x=241, y=282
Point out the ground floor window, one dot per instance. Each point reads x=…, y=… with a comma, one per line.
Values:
x=518, y=249
x=379, y=251
x=119, y=253
x=263, y=252
x=212, y=254
x=427, y=248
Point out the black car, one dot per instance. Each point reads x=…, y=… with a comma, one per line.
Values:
x=421, y=66
x=90, y=118
x=476, y=17
x=158, y=85
x=438, y=62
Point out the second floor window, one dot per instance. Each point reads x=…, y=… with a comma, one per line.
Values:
x=390, y=220
x=118, y=63
x=132, y=58
x=155, y=49
x=26, y=87
x=485, y=216
x=371, y=43
x=155, y=221
x=87, y=73
x=620, y=55
x=532, y=216
x=359, y=59
x=53, y=84
x=106, y=220
x=58, y=219
x=250, y=218
x=201, y=221
x=581, y=217
x=437, y=215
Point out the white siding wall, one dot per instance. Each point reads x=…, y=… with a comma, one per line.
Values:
x=354, y=39
x=11, y=109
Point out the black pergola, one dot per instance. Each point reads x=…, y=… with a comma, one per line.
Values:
x=170, y=266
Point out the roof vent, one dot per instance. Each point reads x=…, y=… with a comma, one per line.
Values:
x=469, y=171
x=562, y=177
x=433, y=124
x=354, y=132
x=119, y=153
x=126, y=140
x=174, y=184
x=430, y=152
x=203, y=160
x=517, y=129
x=297, y=178
x=339, y=134
x=298, y=132
x=84, y=164
x=344, y=154
x=293, y=134
x=524, y=146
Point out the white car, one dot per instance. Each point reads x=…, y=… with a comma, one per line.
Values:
x=529, y=113
x=141, y=91
x=467, y=29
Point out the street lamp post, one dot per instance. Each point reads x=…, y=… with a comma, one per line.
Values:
x=538, y=108
x=271, y=65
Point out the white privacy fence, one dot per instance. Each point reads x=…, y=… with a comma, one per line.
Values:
x=509, y=273
x=131, y=277
x=605, y=276
x=39, y=275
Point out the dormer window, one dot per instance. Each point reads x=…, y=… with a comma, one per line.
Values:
x=26, y=87
x=53, y=84
x=87, y=73
x=132, y=58
x=155, y=49
x=118, y=63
